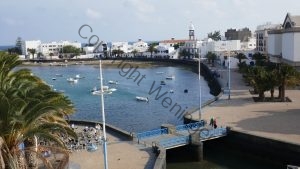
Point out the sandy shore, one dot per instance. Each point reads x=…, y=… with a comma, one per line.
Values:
x=121, y=154
x=105, y=63
x=279, y=121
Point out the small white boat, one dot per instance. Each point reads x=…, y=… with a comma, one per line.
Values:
x=53, y=78
x=113, y=82
x=106, y=90
x=171, y=91
x=58, y=75
x=72, y=80
x=78, y=76
x=170, y=77
x=112, y=89
x=139, y=98
x=99, y=92
x=160, y=72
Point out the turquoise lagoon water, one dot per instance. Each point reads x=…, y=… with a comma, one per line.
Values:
x=122, y=109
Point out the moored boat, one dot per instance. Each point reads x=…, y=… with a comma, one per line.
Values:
x=139, y=98
x=170, y=77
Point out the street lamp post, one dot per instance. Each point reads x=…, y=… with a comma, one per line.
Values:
x=199, y=76
x=229, y=75
x=103, y=119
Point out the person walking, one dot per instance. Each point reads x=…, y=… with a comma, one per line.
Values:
x=215, y=123
x=211, y=122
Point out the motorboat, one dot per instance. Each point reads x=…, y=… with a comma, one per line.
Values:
x=53, y=78
x=171, y=91
x=78, y=76
x=58, y=75
x=99, y=92
x=170, y=77
x=139, y=98
x=106, y=90
x=162, y=82
x=72, y=80
x=160, y=72
x=113, y=82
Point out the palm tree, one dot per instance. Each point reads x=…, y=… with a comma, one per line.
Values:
x=258, y=78
x=211, y=58
x=134, y=52
x=259, y=58
x=152, y=48
x=287, y=75
x=216, y=36
x=32, y=51
x=51, y=55
x=241, y=56
x=28, y=109
x=185, y=54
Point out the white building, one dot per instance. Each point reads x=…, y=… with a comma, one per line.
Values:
x=219, y=46
x=262, y=36
x=191, y=45
x=124, y=46
x=283, y=44
x=169, y=45
x=249, y=45
x=45, y=48
x=56, y=47
x=33, y=44
x=140, y=46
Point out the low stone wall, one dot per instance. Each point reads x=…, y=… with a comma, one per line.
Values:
x=120, y=133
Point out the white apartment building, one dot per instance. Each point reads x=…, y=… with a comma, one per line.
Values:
x=249, y=45
x=32, y=44
x=56, y=47
x=124, y=46
x=171, y=42
x=140, y=46
x=45, y=48
x=219, y=47
x=283, y=44
x=262, y=36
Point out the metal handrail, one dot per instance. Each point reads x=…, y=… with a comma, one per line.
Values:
x=169, y=142
x=190, y=126
x=152, y=133
x=206, y=134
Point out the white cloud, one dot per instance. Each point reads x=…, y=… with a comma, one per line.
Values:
x=11, y=21
x=92, y=14
x=141, y=6
x=142, y=10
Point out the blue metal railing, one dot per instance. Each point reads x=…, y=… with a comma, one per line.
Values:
x=151, y=133
x=190, y=126
x=206, y=134
x=170, y=142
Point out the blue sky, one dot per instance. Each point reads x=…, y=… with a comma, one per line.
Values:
x=129, y=20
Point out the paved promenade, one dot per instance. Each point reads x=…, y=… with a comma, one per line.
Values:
x=280, y=121
x=121, y=154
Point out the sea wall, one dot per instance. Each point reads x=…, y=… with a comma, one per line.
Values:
x=115, y=131
x=278, y=151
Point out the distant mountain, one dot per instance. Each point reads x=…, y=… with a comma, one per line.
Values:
x=3, y=48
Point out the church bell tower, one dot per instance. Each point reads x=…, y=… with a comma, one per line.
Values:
x=191, y=32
